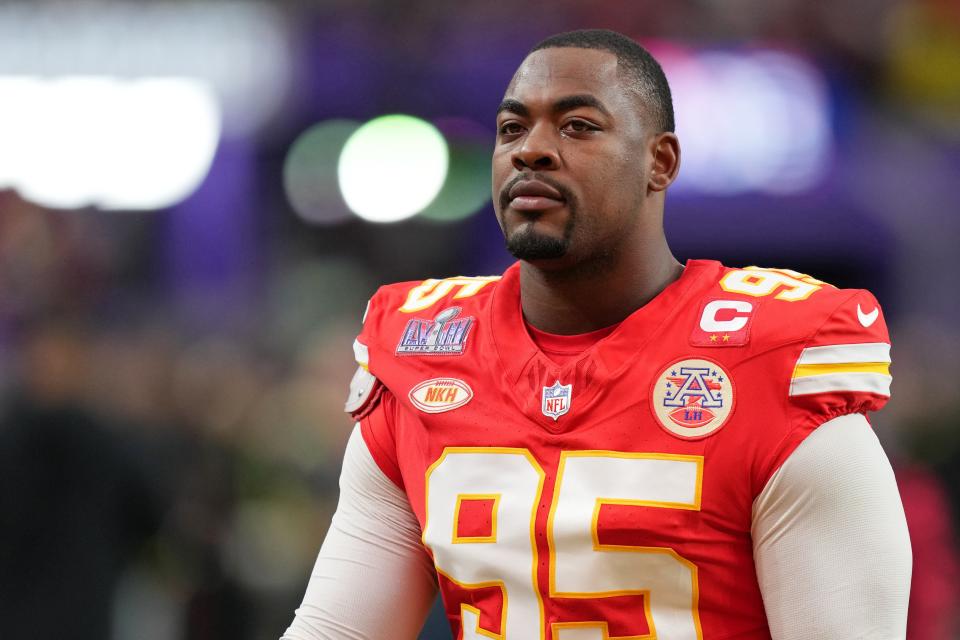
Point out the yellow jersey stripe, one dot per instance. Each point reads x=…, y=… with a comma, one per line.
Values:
x=804, y=370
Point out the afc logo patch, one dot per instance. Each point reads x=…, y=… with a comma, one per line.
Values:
x=692, y=399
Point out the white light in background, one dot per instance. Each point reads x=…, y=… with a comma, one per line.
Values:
x=241, y=49
x=748, y=121
x=392, y=167
x=95, y=141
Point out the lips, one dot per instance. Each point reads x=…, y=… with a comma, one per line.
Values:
x=533, y=195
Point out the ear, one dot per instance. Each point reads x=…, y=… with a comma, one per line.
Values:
x=665, y=148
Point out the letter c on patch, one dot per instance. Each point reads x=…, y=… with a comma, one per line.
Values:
x=741, y=309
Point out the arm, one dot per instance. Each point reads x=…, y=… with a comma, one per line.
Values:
x=830, y=539
x=373, y=579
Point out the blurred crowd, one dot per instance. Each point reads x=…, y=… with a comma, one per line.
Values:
x=170, y=442
x=191, y=470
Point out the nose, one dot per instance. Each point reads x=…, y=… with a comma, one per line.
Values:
x=538, y=151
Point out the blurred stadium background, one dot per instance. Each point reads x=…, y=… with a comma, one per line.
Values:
x=197, y=199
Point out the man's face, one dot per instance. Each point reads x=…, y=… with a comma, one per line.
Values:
x=569, y=172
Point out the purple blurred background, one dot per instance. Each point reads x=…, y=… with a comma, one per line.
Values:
x=175, y=357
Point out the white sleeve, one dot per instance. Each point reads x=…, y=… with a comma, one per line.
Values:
x=373, y=578
x=830, y=540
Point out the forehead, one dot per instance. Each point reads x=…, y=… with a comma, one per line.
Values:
x=559, y=71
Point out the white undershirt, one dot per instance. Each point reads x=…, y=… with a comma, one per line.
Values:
x=830, y=544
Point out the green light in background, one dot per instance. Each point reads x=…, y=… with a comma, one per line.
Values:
x=392, y=167
x=467, y=187
x=310, y=172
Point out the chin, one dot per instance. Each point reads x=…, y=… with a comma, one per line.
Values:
x=526, y=243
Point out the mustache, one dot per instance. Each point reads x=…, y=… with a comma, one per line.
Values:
x=524, y=177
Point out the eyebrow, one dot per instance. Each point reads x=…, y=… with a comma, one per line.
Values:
x=515, y=106
x=565, y=103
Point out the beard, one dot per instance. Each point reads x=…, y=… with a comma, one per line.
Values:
x=527, y=244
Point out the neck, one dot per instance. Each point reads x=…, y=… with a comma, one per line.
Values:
x=601, y=293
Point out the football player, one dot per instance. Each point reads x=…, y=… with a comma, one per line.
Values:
x=603, y=442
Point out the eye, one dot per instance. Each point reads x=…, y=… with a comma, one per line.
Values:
x=509, y=128
x=579, y=126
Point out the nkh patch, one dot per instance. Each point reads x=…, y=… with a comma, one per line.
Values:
x=555, y=400
x=445, y=335
x=440, y=394
x=692, y=399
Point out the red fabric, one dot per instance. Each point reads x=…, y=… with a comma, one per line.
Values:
x=475, y=518
x=378, y=435
x=564, y=349
x=610, y=387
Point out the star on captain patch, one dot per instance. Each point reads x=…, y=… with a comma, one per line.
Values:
x=556, y=400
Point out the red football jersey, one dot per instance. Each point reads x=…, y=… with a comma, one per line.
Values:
x=610, y=497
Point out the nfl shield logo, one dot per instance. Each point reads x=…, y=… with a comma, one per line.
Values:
x=556, y=400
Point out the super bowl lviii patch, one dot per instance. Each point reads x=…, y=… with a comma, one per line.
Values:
x=445, y=335
x=692, y=398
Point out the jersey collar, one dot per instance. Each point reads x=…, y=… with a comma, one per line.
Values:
x=524, y=366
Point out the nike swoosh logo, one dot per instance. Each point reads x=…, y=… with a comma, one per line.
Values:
x=867, y=319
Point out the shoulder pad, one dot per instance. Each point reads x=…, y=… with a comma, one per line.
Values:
x=365, y=392
x=365, y=389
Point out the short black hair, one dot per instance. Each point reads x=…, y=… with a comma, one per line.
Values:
x=646, y=75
